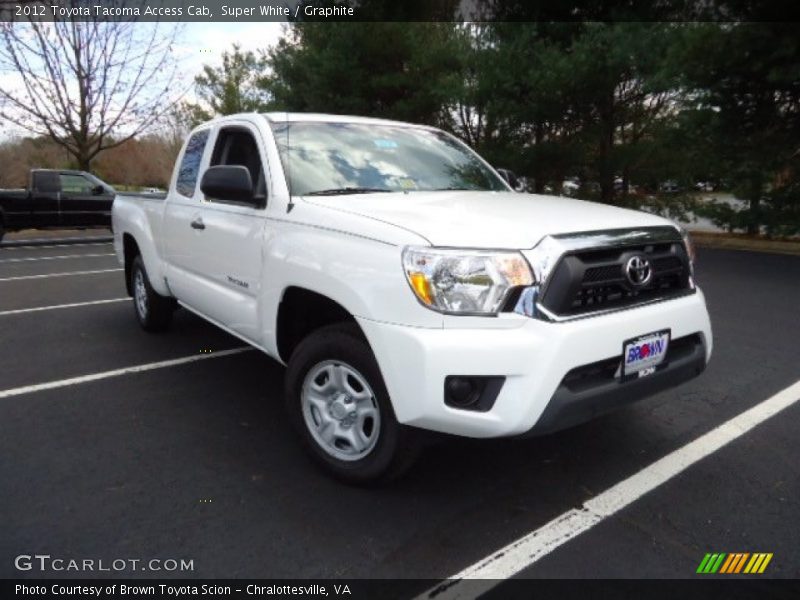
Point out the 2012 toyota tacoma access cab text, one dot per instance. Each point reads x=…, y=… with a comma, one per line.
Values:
x=407, y=286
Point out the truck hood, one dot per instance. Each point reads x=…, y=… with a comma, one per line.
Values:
x=502, y=220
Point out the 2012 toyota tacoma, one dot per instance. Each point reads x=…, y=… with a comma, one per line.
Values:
x=406, y=285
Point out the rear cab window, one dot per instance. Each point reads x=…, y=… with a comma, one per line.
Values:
x=46, y=181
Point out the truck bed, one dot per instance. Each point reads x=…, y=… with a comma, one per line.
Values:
x=143, y=195
x=14, y=194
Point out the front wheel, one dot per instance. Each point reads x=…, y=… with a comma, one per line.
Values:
x=337, y=401
x=153, y=311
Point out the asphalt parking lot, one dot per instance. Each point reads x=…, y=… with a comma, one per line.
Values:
x=196, y=460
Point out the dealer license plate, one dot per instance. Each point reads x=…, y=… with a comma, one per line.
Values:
x=641, y=355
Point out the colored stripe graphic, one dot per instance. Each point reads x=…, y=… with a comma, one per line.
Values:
x=731, y=567
x=716, y=565
x=732, y=563
x=758, y=563
x=757, y=558
x=711, y=563
x=740, y=563
x=703, y=563
x=727, y=564
x=765, y=563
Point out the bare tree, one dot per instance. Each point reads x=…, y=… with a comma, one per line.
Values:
x=87, y=83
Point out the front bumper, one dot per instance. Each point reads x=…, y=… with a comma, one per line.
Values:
x=534, y=357
x=592, y=390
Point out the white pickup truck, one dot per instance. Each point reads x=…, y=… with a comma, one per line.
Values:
x=407, y=286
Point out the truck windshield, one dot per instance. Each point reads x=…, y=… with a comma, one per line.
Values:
x=322, y=158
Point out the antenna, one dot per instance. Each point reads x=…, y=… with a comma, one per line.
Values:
x=289, y=206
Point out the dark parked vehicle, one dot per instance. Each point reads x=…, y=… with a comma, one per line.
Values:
x=57, y=198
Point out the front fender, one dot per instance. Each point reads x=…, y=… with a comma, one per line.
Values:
x=363, y=275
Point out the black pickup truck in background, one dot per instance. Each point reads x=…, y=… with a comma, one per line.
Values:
x=57, y=199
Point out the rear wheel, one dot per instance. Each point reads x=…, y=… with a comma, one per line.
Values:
x=2, y=231
x=153, y=311
x=337, y=401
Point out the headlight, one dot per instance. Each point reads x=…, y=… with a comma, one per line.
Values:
x=464, y=281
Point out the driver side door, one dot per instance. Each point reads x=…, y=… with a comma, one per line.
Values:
x=81, y=205
x=232, y=236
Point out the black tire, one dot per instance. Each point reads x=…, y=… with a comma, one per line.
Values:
x=395, y=448
x=2, y=231
x=153, y=311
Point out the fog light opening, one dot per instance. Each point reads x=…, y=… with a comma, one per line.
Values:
x=462, y=391
x=472, y=392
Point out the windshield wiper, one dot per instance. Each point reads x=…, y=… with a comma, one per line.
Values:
x=346, y=190
x=454, y=189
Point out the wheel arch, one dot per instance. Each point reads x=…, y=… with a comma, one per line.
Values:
x=302, y=311
x=130, y=250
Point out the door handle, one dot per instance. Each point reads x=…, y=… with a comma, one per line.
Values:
x=198, y=224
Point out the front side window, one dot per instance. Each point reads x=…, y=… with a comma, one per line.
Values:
x=190, y=165
x=237, y=146
x=75, y=184
x=330, y=158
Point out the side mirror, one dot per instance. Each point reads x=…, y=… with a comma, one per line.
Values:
x=98, y=190
x=511, y=178
x=228, y=182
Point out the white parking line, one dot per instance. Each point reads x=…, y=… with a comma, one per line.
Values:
x=5, y=249
x=527, y=550
x=58, y=274
x=20, y=311
x=28, y=389
x=61, y=257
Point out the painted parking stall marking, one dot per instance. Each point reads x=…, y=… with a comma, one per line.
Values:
x=60, y=257
x=527, y=550
x=20, y=311
x=6, y=248
x=48, y=275
x=28, y=389
x=51, y=242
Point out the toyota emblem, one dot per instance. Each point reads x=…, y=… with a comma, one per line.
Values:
x=638, y=271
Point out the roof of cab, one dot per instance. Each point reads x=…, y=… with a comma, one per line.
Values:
x=61, y=171
x=283, y=117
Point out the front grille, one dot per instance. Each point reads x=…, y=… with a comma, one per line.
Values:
x=596, y=274
x=668, y=263
x=589, y=280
